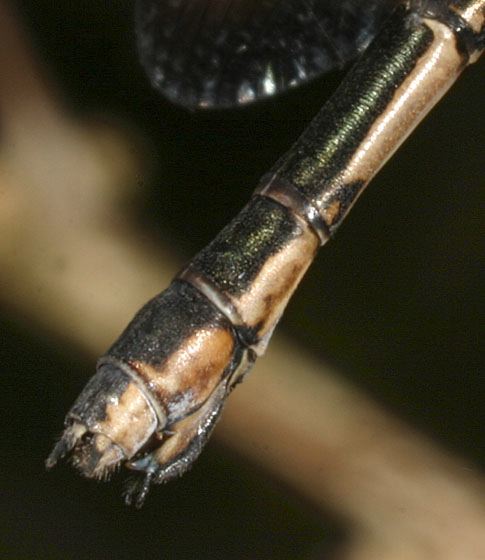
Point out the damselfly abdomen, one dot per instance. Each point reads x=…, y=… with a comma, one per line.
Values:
x=161, y=387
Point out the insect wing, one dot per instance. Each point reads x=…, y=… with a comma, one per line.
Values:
x=222, y=53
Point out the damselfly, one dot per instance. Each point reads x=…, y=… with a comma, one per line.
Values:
x=162, y=385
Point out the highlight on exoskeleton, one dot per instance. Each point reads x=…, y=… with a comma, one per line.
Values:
x=156, y=395
x=161, y=387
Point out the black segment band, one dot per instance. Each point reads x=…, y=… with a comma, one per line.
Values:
x=285, y=193
x=221, y=302
x=212, y=293
x=469, y=42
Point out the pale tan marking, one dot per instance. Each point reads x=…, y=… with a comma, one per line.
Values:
x=110, y=456
x=188, y=428
x=130, y=422
x=195, y=367
x=331, y=212
x=473, y=13
x=433, y=75
x=266, y=298
x=184, y=433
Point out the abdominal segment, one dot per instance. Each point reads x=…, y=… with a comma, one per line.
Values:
x=161, y=387
x=157, y=391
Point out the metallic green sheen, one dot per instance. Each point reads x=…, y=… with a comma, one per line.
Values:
x=315, y=163
x=237, y=254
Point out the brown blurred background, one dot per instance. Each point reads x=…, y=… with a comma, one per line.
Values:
x=393, y=302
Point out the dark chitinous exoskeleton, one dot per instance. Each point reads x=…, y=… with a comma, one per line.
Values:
x=160, y=388
x=157, y=392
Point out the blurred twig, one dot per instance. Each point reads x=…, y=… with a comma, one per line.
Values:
x=72, y=262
